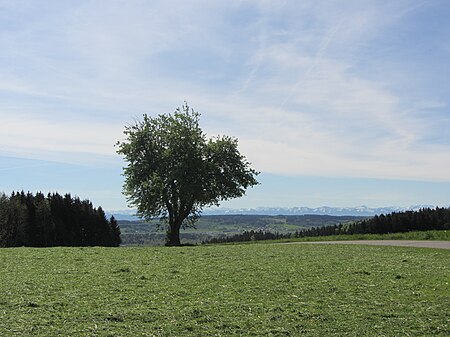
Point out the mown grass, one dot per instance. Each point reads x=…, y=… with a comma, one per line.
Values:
x=238, y=290
x=416, y=235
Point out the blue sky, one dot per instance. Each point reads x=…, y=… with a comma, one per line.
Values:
x=338, y=103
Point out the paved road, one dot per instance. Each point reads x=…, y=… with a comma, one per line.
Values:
x=403, y=243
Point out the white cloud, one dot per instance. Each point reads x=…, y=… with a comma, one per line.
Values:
x=75, y=142
x=297, y=82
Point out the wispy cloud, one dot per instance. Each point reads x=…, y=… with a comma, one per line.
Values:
x=308, y=88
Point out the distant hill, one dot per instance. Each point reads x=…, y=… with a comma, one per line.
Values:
x=209, y=226
x=127, y=215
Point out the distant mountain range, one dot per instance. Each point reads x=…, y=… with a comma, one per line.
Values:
x=324, y=210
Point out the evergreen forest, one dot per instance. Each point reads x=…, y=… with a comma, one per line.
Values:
x=398, y=222
x=54, y=220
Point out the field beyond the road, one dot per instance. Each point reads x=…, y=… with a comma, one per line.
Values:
x=225, y=290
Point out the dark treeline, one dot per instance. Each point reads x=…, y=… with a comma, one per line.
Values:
x=401, y=222
x=397, y=222
x=252, y=235
x=55, y=220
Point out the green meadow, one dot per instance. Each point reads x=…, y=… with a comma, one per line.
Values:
x=225, y=290
x=442, y=235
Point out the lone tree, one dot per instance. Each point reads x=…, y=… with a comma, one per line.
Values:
x=173, y=170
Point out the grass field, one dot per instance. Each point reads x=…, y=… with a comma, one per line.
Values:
x=417, y=235
x=234, y=290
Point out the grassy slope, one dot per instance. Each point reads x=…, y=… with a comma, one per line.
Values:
x=249, y=290
x=418, y=235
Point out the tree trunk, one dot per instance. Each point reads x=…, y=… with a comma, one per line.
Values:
x=173, y=234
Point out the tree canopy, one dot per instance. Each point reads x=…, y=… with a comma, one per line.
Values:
x=173, y=170
x=55, y=220
x=425, y=219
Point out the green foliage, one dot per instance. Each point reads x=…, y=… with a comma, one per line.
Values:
x=219, y=226
x=425, y=219
x=239, y=290
x=39, y=221
x=441, y=235
x=173, y=170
